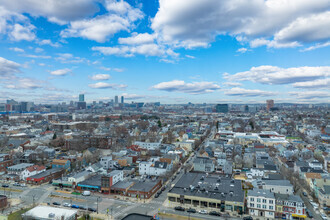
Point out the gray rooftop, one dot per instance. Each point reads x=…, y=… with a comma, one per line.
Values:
x=214, y=187
x=262, y=193
x=20, y=166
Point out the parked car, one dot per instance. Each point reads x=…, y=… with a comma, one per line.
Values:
x=56, y=203
x=75, y=206
x=323, y=216
x=309, y=214
x=16, y=184
x=191, y=210
x=82, y=207
x=305, y=194
x=5, y=185
x=158, y=194
x=247, y=218
x=203, y=211
x=23, y=185
x=92, y=209
x=66, y=204
x=179, y=208
x=214, y=213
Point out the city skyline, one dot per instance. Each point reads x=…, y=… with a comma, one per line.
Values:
x=149, y=51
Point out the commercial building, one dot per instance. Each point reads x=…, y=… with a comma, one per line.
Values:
x=221, y=108
x=81, y=97
x=48, y=212
x=5, y=161
x=45, y=176
x=214, y=193
x=122, y=99
x=269, y=104
x=116, y=100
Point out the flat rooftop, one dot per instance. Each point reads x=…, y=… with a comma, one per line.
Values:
x=44, y=212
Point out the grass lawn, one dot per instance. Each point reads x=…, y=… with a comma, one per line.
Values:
x=17, y=215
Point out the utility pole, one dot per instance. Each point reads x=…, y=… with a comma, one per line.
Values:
x=144, y=196
x=97, y=205
x=33, y=199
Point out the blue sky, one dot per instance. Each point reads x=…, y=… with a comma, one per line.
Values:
x=169, y=51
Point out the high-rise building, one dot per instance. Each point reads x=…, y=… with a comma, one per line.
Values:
x=269, y=104
x=116, y=99
x=81, y=97
x=122, y=99
x=221, y=108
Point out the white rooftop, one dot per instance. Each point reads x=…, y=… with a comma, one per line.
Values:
x=48, y=212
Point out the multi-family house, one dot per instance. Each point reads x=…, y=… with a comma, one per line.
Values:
x=32, y=170
x=261, y=203
x=289, y=206
x=5, y=161
x=204, y=164
x=18, y=169
x=64, y=164
x=324, y=196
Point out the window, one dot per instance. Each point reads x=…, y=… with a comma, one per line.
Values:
x=271, y=202
x=270, y=213
x=264, y=206
x=258, y=206
x=264, y=201
x=252, y=210
x=258, y=200
x=271, y=207
x=252, y=205
x=252, y=199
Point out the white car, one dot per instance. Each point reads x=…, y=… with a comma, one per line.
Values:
x=324, y=217
x=66, y=204
x=203, y=211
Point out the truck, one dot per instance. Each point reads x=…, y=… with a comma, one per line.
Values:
x=86, y=193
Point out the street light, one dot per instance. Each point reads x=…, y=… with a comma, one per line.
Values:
x=97, y=205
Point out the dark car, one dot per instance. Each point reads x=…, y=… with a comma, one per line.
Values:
x=5, y=185
x=82, y=207
x=309, y=214
x=56, y=203
x=179, y=208
x=191, y=210
x=214, y=213
x=248, y=218
x=92, y=209
x=158, y=194
x=305, y=194
x=75, y=206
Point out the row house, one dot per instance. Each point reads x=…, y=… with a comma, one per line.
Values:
x=261, y=203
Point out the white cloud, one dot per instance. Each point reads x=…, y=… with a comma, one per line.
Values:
x=191, y=57
x=310, y=94
x=136, y=38
x=61, y=72
x=119, y=70
x=16, y=49
x=121, y=17
x=37, y=56
x=310, y=28
x=248, y=92
x=38, y=50
x=25, y=83
x=277, y=75
x=196, y=23
x=105, y=68
x=190, y=88
x=49, y=42
x=20, y=32
x=232, y=84
x=316, y=84
x=69, y=58
x=8, y=67
x=58, y=11
x=100, y=77
x=144, y=49
x=316, y=46
x=242, y=50
x=103, y=85
x=272, y=43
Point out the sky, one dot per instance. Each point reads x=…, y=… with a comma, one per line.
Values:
x=199, y=51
